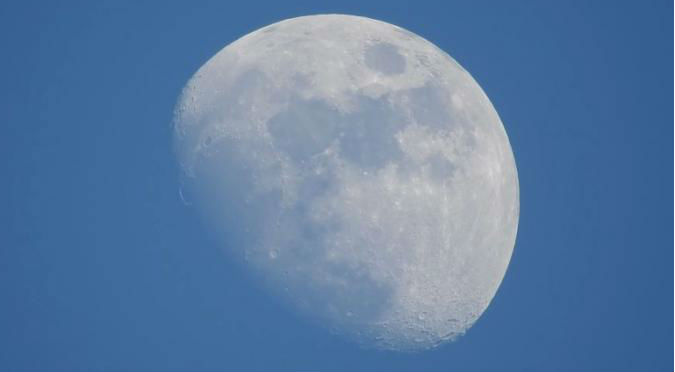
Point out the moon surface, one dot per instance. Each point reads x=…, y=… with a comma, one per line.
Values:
x=359, y=172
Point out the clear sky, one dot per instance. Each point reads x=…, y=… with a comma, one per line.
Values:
x=103, y=268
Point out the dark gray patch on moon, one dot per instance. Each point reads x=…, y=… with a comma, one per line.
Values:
x=369, y=138
x=385, y=58
x=440, y=169
x=366, y=136
x=307, y=128
x=430, y=108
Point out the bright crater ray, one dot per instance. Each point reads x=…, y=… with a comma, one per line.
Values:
x=359, y=171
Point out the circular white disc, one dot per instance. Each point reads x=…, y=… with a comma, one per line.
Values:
x=360, y=172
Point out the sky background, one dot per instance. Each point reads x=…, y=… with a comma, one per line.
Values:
x=103, y=268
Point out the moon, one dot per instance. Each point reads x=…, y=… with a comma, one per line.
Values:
x=358, y=171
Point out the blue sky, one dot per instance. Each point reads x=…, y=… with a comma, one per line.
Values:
x=103, y=268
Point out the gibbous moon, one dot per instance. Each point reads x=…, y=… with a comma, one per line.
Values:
x=359, y=172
